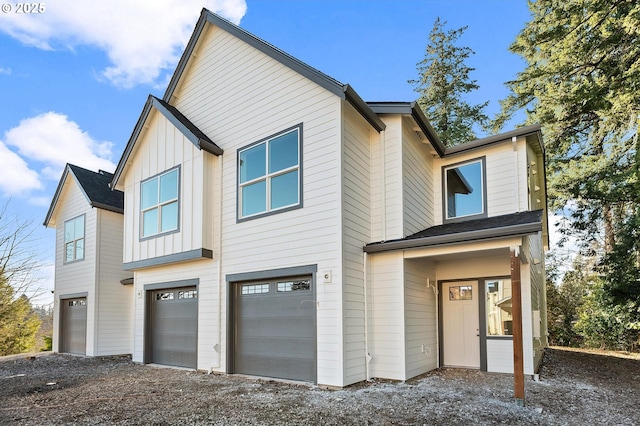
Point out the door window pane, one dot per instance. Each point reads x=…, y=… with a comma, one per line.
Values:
x=460, y=292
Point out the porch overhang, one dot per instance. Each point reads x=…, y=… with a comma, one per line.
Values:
x=485, y=229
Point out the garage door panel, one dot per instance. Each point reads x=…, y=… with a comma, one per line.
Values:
x=74, y=326
x=173, y=327
x=276, y=327
x=280, y=368
x=275, y=330
x=265, y=346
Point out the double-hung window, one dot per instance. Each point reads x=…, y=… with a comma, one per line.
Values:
x=160, y=203
x=269, y=174
x=74, y=239
x=465, y=190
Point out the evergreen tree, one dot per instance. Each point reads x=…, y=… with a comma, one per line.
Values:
x=18, y=322
x=582, y=83
x=443, y=80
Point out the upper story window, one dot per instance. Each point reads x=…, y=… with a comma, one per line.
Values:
x=464, y=190
x=74, y=239
x=159, y=202
x=269, y=175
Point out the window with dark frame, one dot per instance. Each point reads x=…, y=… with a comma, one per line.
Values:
x=464, y=190
x=74, y=239
x=159, y=203
x=269, y=174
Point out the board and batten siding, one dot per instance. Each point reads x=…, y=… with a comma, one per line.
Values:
x=78, y=276
x=420, y=311
x=114, y=300
x=356, y=231
x=386, y=316
x=160, y=148
x=237, y=96
x=417, y=171
x=506, y=177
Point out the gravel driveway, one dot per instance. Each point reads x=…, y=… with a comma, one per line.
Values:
x=575, y=388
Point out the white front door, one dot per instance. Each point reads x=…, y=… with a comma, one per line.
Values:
x=460, y=329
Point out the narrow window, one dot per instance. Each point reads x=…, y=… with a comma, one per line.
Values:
x=269, y=174
x=498, y=307
x=464, y=190
x=74, y=239
x=159, y=203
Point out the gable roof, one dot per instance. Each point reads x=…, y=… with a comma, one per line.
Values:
x=344, y=91
x=95, y=188
x=509, y=225
x=175, y=117
x=414, y=110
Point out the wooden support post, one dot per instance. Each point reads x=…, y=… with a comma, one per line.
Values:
x=516, y=306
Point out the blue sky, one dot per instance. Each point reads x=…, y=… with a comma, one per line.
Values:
x=74, y=78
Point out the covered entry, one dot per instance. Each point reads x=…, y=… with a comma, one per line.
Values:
x=172, y=326
x=73, y=325
x=274, y=330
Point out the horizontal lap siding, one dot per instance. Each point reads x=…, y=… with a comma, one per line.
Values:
x=417, y=170
x=237, y=95
x=210, y=323
x=356, y=232
x=115, y=301
x=420, y=318
x=161, y=148
x=78, y=276
x=506, y=178
x=393, y=210
x=386, y=316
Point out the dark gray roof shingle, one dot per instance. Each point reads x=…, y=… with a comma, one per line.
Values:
x=471, y=230
x=96, y=186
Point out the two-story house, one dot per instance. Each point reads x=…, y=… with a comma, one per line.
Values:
x=277, y=225
x=93, y=311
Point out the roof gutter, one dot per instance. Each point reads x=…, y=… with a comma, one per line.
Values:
x=460, y=237
x=361, y=106
x=479, y=143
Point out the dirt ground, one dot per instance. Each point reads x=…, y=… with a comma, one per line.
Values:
x=575, y=388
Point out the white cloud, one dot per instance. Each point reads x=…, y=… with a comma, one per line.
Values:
x=143, y=39
x=5, y=71
x=16, y=177
x=52, y=140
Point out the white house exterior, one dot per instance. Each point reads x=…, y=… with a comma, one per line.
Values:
x=277, y=225
x=92, y=309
